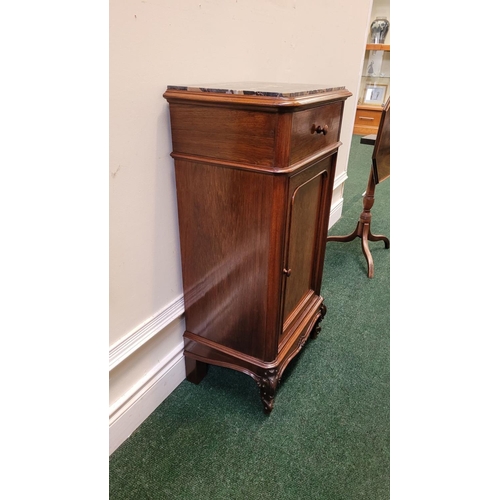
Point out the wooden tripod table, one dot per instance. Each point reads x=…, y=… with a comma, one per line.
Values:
x=380, y=170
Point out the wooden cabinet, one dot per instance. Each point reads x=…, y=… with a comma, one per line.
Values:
x=374, y=88
x=367, y=120
x=254, y=169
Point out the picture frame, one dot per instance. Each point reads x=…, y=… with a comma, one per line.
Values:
x=374, y=94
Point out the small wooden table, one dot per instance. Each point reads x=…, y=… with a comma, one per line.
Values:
x=380, y=170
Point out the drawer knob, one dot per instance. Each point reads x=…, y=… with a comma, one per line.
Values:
x=320, y=130
x=287, y=272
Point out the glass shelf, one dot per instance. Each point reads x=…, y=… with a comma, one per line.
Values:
x=375, y=79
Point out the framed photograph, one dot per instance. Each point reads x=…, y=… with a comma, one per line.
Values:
x=374, y=94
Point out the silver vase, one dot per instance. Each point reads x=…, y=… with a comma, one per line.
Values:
x=379, y=29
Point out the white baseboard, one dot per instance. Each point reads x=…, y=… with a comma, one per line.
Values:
x=335, y=213
x=336, y=208
x=135, y=339
x=342, y=177
x=128, y=413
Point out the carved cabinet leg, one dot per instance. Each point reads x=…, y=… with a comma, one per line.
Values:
x=268, y=384
x=317, y=328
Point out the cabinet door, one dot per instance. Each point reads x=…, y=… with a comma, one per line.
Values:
x=309, y=201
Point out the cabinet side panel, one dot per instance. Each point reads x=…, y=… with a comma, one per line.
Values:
x=224, y=217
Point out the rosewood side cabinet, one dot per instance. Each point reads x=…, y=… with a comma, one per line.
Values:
x=254, y=170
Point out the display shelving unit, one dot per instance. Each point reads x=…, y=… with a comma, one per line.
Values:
x=374, y=88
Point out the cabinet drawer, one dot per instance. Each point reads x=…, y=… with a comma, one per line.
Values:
x=308, y=130
x=368, y=117
x=235, y=135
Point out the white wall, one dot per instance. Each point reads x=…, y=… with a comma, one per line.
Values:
x=154, y=43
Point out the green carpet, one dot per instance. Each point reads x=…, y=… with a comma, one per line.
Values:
x=328, y=435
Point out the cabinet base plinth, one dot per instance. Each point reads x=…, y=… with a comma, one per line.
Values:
x=199, y=353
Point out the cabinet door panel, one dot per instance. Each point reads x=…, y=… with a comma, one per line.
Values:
x=308, y=195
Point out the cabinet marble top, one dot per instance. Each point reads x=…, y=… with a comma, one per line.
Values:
x=258, y=88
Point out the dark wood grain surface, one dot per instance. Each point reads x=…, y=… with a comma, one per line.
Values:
x=254, y=177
